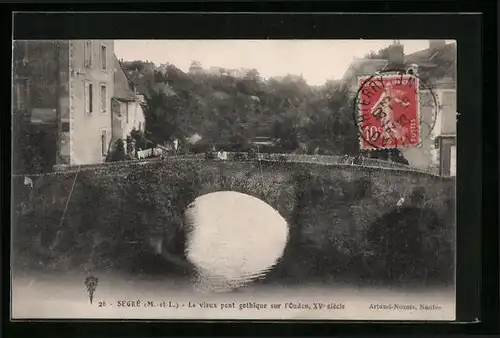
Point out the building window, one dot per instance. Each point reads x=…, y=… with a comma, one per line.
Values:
x=126, y=112
x=89, y=98
x=87, y=48
x=21, y=94
x=104, y=98
x=140, y=126
x=104, y=57
x=104, y=143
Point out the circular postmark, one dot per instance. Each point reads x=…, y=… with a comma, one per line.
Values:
x=393, y=109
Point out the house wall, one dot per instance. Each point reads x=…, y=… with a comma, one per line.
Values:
x=425, y=155
x=448, y=101
x=136, y=118
x=86, y=128
x=448, y=131
x=435, y=124
x=117, y=125
x=122, y=127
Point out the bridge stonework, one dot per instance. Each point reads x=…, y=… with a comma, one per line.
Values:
x=329, y=208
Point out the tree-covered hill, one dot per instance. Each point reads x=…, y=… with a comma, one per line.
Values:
x=227, y=109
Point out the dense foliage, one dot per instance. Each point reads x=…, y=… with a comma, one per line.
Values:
x=226, y=109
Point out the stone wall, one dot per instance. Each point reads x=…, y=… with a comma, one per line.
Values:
x=332, y=211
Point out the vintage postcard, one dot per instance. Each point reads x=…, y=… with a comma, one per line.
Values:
x=234, y=179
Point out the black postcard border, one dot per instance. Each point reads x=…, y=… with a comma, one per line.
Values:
x=476, y=204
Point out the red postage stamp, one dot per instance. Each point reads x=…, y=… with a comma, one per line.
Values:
x=388, y=111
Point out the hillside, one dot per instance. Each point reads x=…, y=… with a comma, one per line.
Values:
x=226, y=109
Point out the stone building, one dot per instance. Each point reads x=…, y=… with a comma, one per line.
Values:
x=66, y=87
x=128, y=113
x=436, y=66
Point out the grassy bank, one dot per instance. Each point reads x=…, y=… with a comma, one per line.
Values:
x=343, y=219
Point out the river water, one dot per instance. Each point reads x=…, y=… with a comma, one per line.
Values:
x=63, y=297
x=234, y=238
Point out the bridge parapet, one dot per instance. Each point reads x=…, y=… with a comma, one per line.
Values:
x=330, y=207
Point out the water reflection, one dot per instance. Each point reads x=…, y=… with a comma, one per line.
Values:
x=233, y=238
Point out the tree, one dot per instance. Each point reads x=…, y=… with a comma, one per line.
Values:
x=195, y=67
x=229, y=110
x=162, y=116
x=332, y=125
x=252, y=74
x=137, y=66
x=381, y=54
x=159, y=77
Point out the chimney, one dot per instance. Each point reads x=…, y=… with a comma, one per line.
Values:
x=395, y=55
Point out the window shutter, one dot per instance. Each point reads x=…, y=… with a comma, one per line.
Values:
x=85, y=53
x=103, y=143
x=103, y=55
x=104, y=98
x=86, y=98
x=90, y=54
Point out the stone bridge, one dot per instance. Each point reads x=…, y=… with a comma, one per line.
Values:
x=330, y=208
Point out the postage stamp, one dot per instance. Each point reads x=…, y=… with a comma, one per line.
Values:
x=388, y=111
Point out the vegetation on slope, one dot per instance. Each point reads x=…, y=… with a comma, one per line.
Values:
x=232, y=110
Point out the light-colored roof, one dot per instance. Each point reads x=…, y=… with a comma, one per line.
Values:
x=122, y=83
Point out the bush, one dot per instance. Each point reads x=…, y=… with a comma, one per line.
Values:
x=118, y=152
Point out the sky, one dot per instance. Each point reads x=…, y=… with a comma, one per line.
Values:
x=316, y=60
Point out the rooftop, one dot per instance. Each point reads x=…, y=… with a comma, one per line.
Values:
x=424, y=58
x=123, y=85
x=439, y=65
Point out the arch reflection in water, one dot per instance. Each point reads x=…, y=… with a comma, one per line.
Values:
x=233, y=239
